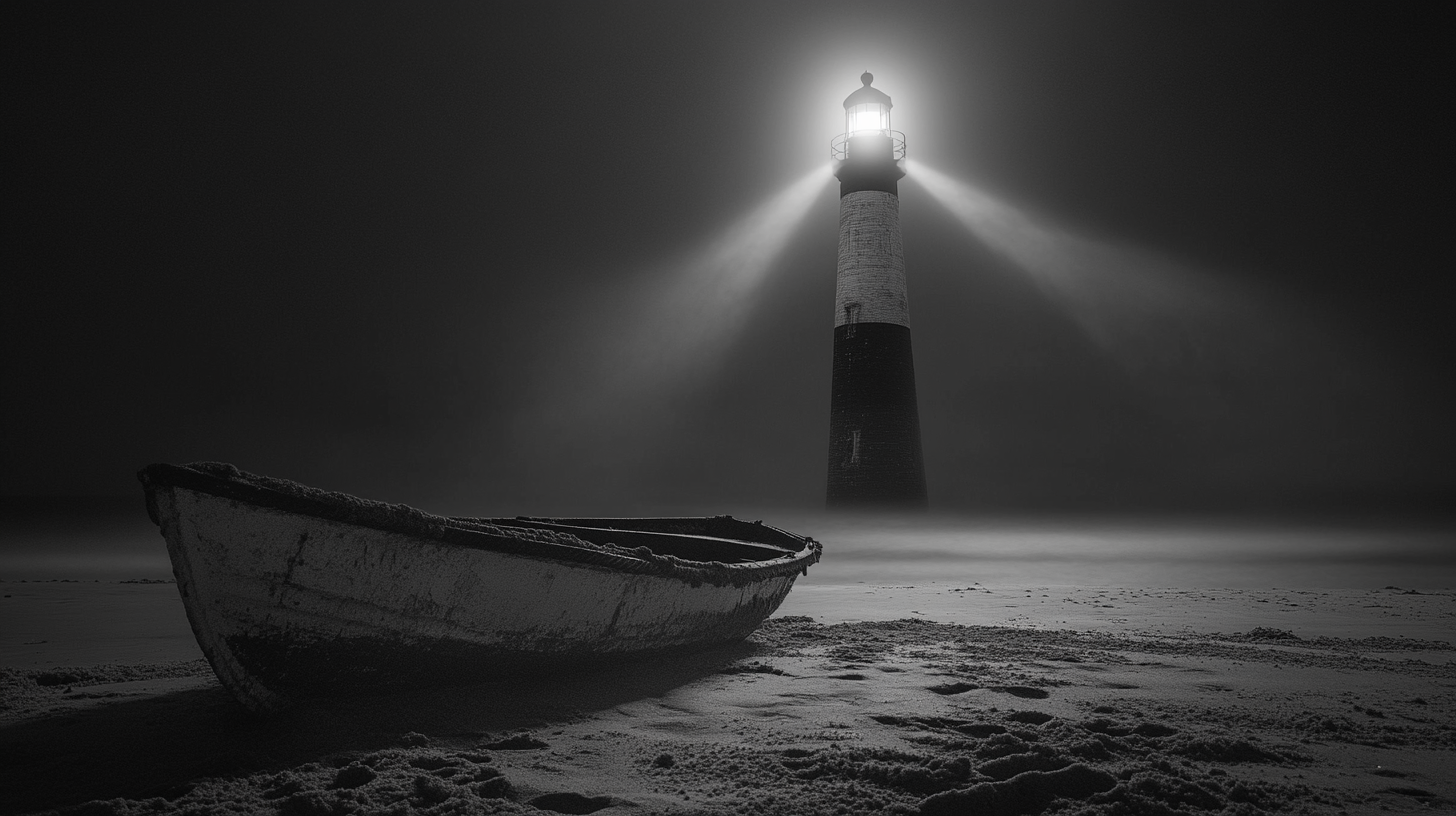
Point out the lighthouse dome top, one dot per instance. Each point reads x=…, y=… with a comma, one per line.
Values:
x=867, y=125
x=867, y=95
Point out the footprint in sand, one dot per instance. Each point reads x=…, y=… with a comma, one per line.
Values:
x=1024, y=692
x=1030, y=717
x=568, y=802
x=518, y=742
x=753, y=668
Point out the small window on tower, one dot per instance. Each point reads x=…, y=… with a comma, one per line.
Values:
x=854, y=447
x=851, y=317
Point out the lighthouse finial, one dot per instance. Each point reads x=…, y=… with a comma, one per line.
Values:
x=867, y=78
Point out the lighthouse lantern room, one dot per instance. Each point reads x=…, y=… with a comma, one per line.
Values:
x=867, y=134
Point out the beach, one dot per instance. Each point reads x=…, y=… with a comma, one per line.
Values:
x=854, y=699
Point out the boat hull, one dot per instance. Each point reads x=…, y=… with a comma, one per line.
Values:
x=288, y=604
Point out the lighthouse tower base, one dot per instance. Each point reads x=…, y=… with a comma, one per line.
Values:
x=874, y=422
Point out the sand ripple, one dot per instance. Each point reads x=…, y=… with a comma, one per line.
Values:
x=890, y=717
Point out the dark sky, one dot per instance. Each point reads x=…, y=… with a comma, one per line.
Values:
x=417, y=251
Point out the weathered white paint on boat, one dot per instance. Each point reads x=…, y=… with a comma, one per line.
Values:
x=287, y=603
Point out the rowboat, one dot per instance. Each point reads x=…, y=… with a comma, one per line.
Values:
x=295, y=592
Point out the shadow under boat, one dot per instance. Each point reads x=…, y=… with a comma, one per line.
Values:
x=161, y=746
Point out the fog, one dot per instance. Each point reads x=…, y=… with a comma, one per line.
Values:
x=109, y=541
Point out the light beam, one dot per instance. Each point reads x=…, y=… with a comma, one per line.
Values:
x=1254, y=382
x=1140, y=307
x=696, y=315
x=635, y=353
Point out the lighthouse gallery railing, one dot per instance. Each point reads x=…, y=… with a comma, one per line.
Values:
x=839, y=146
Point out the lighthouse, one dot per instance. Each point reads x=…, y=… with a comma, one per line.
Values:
x=874, y=422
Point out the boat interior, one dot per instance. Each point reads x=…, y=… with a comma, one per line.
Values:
x=724, y=540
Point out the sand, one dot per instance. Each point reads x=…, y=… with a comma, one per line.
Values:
x=856, y=699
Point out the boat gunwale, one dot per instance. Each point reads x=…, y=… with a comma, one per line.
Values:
x=226, y=481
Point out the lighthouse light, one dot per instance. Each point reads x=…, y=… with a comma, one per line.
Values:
x=867, y=118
